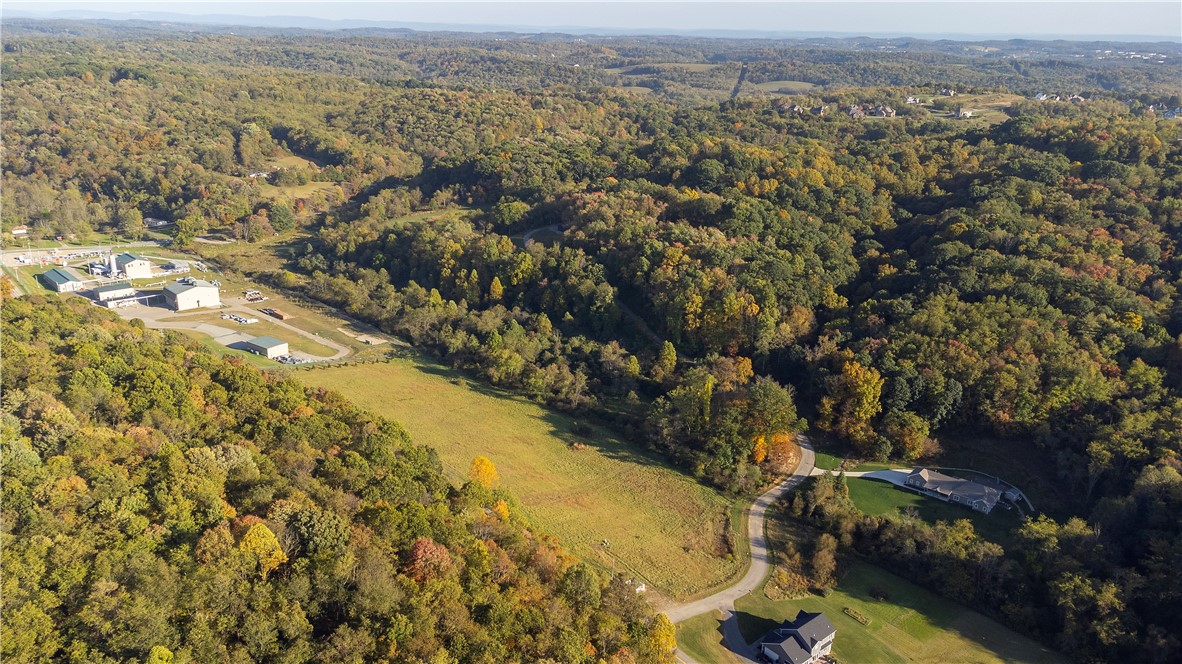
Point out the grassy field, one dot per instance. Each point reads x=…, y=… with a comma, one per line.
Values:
x=218, y=349
x=660, y=525
x=786, y=87
x=701, y=638
x=912, y=625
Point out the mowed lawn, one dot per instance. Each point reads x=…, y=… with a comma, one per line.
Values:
x=912, y=625
x=877, y=497
x=660, y=525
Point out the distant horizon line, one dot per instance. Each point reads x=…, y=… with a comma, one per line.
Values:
x=280, y=21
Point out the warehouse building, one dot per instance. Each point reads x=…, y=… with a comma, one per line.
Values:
x=188, y=293
x=268, y=347
x=133, y=267
x=61, y=281
x=113, y=292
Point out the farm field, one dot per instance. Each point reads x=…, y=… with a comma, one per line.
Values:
x=786, y=87
x=659, y=525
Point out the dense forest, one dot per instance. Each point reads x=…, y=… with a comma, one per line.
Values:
x=709, y=275
x=161, y=504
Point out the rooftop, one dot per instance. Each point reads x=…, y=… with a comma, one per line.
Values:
x=947, y=485
x=178, y=287
x=59, y=276
x=111, y=288
x=266, y=342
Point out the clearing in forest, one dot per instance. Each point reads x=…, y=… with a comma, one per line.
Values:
x=660, y=526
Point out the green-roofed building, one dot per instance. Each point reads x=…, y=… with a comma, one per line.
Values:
x=268, y=347
x=61, y=281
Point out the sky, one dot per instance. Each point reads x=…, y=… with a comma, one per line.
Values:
x=1132, y=18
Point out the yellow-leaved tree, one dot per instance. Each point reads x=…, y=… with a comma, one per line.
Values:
x=261, y=542
x=662, y=639
x=483, y=472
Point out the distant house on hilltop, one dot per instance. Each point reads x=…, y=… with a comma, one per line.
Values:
x=805, y=640
x=855, y=111
x=964, y=113
x=883, y=111
x=818, y=111
x=980, y=497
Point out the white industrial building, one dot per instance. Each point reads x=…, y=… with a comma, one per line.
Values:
x=188, y=293
x=61, y=280
x=132, y=267
x=268, y=347
x=113, y=292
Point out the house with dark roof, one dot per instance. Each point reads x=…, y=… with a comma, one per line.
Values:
x=61, y=281
x=802, y=641
x=978, y=496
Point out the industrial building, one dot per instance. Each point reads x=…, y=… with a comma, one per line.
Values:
x=61, y=281
x=268, y=347
x=132, y=266
x=188, y=293
x=113, y=292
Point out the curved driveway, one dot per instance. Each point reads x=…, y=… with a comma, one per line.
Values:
x=760, y=557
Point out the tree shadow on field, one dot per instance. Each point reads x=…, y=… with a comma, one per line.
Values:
x=571, y=429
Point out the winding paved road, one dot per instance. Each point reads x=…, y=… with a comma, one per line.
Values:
x=724, y=600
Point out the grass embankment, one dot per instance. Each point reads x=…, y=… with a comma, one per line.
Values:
x=910, y=625
x=659, y=524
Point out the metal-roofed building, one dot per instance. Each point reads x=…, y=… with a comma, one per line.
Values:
x=61, y=281
x=192, y=294
x=268, y=347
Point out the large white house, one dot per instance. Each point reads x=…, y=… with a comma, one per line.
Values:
x=133, y=267
x=189, y=293
x=802, y=641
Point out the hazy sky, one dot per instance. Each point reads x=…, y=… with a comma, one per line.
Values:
x=1112, y=17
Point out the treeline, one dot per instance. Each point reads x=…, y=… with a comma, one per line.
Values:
x=162, y=504
x=1101, y=590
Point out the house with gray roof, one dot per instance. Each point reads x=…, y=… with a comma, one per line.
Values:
x=978, y=496
x=802, y=641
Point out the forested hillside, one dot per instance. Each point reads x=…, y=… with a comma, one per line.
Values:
x=158, y=499
x=710, y=277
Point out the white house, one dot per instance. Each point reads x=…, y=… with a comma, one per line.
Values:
x=802, y=641
x=133, y=267
x=20, y=231
x=189, y=293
